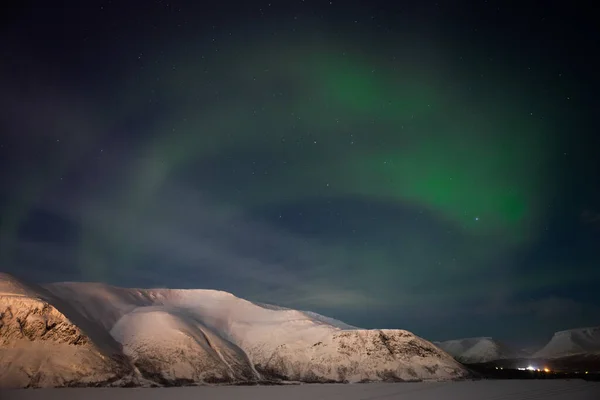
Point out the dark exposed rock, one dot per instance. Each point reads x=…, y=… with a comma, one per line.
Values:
x=37, y=320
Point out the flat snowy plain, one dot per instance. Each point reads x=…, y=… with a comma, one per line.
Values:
x=464, y=390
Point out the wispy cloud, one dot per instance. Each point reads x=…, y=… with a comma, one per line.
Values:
x=591, y=217
x=553, y=307
x=185, y=240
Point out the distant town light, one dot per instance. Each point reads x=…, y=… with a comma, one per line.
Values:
x=546, y=370
x=530, y=368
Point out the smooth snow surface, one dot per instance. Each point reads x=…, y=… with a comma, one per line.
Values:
x=476, y=350
x=465, y=390
x=572, y=342
x=172, y=337
x=313, y=315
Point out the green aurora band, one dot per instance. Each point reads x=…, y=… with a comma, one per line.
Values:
x=333, y=123
x=362, y=131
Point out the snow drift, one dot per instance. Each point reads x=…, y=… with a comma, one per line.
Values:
x=94, y=334
x=572, y=342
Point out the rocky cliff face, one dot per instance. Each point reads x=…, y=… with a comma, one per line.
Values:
x=40, y=347
x=359, y=356
x=23, y=318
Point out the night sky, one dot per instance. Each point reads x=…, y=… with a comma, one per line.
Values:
x=431, y=166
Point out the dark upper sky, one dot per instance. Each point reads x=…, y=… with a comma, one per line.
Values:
x=407, y=164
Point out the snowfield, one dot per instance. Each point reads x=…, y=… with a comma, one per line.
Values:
x=81, y=334
x=464, y=390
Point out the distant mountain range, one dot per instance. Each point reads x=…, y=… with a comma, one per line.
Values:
x=478, y=350
x=571, y=342
x=91, y=334
x=568, y=343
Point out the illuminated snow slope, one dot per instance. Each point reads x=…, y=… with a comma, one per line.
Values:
x=171, y=336
x=572, y=342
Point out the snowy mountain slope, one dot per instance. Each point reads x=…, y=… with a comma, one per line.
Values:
x=172, y=336
x=99, y=302
x=41, y=347
x=476, y=350
x=330, y=321
x=571, y=342
x=313, y=315
x=359, y=355
x=168, y=338
x=170, y=347
x=280, y=342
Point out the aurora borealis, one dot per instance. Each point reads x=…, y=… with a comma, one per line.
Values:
x=406, y=166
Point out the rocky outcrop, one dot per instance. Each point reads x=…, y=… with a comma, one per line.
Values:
x=23, y=318
x=40, y=347
x=359, y=356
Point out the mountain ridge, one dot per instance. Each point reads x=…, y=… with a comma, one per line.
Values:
x=563, y=344
x=194, y=336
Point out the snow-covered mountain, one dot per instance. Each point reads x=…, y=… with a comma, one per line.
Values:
x=571, y=342
x=94, y=334
x=477, y=350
